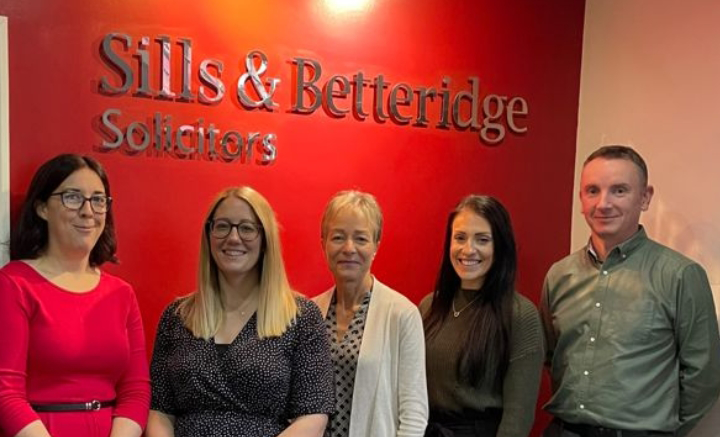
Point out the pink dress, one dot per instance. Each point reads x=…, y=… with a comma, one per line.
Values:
x=63, y=347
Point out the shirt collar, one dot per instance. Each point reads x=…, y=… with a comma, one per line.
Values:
x=623, y=249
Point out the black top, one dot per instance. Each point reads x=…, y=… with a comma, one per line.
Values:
x=253, y=389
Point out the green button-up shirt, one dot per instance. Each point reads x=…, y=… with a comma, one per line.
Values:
x=633, y=340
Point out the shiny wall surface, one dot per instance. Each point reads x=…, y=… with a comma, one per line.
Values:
x=514, y=48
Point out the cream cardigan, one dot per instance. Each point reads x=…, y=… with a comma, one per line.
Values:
x=390, y=391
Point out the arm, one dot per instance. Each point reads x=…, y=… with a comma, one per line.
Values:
x=34, y=429
x=547, y=324
x=696, y=333
x=312, y=390
x=123, y=427
x=309, y=425
x=522, y=381
x=133, y=390
x=17, y=418
x=413, y=407
x=160, y=425
x=161, y=421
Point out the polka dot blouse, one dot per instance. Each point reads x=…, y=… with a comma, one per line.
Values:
x=345, y=354
x=252, y=389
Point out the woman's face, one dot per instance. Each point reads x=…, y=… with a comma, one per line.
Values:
x=471, y=248
x=76, y=231
x=235, y=254
x=350, y=246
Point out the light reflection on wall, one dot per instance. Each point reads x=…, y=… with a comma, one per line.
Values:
x=345, y=6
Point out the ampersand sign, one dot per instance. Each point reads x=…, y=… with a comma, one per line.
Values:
x=253, y=74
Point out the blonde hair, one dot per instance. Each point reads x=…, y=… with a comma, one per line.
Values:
x=202, y=311
x=364, y=203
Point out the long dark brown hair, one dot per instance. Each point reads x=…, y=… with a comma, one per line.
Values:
x=486, y=352
x=29, y=237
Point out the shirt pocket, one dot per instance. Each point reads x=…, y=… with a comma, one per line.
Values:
x=629, y=323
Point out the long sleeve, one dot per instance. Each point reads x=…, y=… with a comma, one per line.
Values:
x=522, y=381
x=412, y=387
x=547, y=323
x=15, y=315
x=698, y=347
x=163, y=399
x=313, y=386
x=133, y=389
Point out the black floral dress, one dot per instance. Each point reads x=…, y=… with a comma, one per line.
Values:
x=253, y=388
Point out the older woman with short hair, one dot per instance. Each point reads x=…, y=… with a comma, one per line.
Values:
x=376, y=333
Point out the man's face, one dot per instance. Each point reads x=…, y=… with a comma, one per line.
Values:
x=613, y=195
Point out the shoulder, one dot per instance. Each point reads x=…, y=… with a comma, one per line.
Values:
x=17, y=282
x=394, y=300
x=19, y=272
x=425, y=303
x=170, y=315
x=306, y=305
x=670, y=257
x=114, y=284
x=526, y=330
x=567, y=263
x=524, y=311
x=308, y=313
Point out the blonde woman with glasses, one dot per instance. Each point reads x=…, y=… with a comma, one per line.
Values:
x=243, y=355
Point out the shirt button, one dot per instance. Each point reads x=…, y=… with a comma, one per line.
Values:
x=586, y=373
x=582, y=406
x=605, y=272
x=597, y=304
x=592, y=339
x=624, y=256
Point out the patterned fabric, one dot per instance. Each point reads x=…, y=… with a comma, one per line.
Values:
x=345, y=354
x=254, y=389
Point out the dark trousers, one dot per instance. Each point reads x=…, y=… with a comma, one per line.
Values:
x=470, y=424
x=558, y=428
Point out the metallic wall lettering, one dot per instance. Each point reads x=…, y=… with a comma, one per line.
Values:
x=200, y=139
x=491, y=116
x=304, y=85
x=116, y=63
x=165, y=67
x=212, y=82
x=254, y=74
x=394, y=101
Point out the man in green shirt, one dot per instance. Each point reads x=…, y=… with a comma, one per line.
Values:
x=633, y=344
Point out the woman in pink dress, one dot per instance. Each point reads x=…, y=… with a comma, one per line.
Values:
x=72, y=350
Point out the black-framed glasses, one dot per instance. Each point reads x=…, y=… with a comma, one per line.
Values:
x=74, y=201
x=247, y=231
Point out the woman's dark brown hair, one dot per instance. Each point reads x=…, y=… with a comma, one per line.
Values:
x=486, y=353
x=29, y=236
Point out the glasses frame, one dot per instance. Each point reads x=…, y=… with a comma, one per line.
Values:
x=85, y=199
x=211, y=223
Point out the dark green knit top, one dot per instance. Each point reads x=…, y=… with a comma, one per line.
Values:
x=449, y=394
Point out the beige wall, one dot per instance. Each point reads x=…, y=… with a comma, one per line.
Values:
x=651, y=78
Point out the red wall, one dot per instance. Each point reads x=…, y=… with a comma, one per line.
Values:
x=515, y=47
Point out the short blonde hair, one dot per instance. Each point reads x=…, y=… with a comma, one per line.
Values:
x=364, y=203
x=202, y=312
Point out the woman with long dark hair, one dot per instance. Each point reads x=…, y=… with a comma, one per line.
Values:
x=72, y=348
x=483, y=339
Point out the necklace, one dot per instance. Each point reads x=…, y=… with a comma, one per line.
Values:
x=456, y=313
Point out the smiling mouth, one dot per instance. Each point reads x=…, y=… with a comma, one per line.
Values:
x=469, y=262
x=234, y=252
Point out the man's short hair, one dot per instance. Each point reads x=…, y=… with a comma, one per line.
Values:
x=617, y=151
